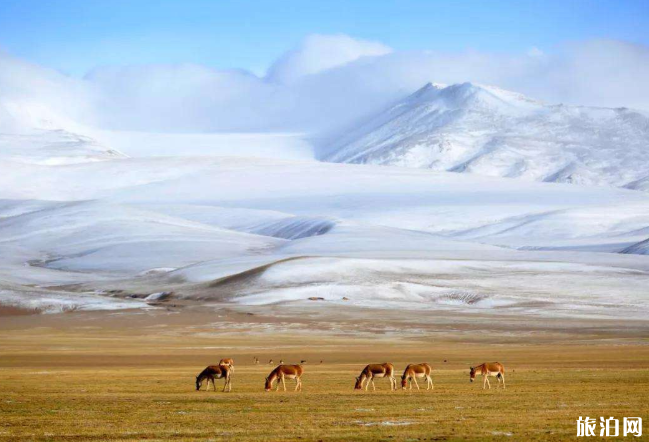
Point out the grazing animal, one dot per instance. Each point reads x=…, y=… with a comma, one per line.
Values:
x=414, y=371
x=255, y=360
x=303, y=361
x=385, y=370
x=227, y=361
x=489, y=369
x=281, y=361
x=213, y=372
x=270, y=362
x=281, y=372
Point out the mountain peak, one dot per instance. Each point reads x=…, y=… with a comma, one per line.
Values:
x=468, y=94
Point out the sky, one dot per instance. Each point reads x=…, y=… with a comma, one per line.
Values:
x=308, y=66
x=75, y=36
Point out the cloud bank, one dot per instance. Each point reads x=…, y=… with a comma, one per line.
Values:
x=327, y=81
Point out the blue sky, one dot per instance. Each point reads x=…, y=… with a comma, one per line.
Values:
x=76, y=36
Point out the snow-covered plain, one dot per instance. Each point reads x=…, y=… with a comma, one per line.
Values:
x=84, y=224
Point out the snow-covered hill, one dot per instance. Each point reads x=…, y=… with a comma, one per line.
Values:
x=251, y=230
x=489, y=131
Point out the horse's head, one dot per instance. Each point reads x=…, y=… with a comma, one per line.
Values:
x=472, y=374
x=404, y=381
x=269, y=384
x=359, y=384
x=198, y=383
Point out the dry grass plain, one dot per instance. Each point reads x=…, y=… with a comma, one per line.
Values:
x=86, y=377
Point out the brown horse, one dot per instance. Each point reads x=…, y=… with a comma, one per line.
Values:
x=213, y=372
x=282, y=372
x=414, y=371
x=385, y=370
x=489, y=369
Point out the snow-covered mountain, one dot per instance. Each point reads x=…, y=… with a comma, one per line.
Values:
x=490, y=131
x=253, y=219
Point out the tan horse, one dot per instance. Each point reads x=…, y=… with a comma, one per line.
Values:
x=385, y=370
x=215, y=372
x=282, y=372
x=414, y=371
x=489, y=369
x=229, y=362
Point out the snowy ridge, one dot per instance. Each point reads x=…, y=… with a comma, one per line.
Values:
x=485, y=130
x=641, y=248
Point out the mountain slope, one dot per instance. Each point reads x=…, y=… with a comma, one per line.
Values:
x=53, y=148
x=641, y=248
x=489, y=131
x=31, y=133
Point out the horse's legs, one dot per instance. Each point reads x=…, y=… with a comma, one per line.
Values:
x=372, y=381
x=367, y=385
x=283, y=383
x=429, y=381
x=503, y=377
x=414, y=378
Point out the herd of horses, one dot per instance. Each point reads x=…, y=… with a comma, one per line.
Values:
x=386, y=370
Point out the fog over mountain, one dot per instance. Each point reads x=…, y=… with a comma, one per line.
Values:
x=326, y=82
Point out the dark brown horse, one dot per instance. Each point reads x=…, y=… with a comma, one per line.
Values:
x=213, y=372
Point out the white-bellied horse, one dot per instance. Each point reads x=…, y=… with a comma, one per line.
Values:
x=414, y=371
x=489, y=369
x=385, y=370
x=282, y=372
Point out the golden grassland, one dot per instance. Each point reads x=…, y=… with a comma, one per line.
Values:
x=126, y=384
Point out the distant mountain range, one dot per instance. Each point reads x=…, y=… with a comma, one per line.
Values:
x=489, y=131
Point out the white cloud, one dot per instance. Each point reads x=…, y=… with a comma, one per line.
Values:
x=317, y=53
x=327, y=81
